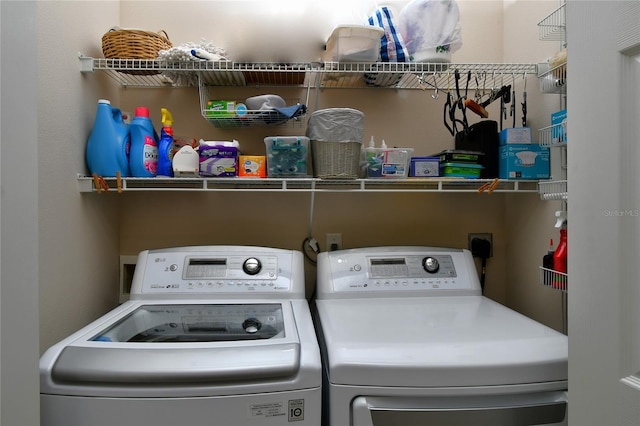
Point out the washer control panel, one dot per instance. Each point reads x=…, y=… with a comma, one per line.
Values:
x=213, y=270
x=396, y=269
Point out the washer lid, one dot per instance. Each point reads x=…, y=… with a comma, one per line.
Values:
x=437, y=342
x=185, y=343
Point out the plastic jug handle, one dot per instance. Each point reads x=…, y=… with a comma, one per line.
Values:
x=117, y=115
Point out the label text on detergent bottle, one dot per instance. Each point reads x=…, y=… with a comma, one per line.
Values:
x=150, y=155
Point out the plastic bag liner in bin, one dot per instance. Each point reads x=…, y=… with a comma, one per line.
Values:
x=336, y=136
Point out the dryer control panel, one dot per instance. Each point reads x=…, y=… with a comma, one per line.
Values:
x=402, y=271
x=218, y=270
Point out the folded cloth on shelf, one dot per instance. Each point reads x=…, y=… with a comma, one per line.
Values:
x=279, y=115
x=183, y=53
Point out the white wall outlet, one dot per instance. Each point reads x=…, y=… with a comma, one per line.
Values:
x=334, y=241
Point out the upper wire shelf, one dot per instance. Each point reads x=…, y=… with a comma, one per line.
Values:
x=162, y=73
x=417, y=75
x=553, y=27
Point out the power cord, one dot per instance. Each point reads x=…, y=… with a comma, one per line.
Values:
x=310, y=244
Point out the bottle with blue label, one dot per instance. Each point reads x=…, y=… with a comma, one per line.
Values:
x=109, y=143
x=165, y=148
x=143, y=158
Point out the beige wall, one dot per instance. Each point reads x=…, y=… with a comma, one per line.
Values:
x=83, y=234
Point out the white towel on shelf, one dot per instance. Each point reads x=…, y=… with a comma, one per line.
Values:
x=183, y=53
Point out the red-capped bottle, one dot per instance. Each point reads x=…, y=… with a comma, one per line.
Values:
x=560, y=260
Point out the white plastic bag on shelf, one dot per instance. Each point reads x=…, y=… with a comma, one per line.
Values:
x=431, y=29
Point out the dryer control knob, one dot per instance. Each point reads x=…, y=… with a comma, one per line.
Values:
x=430, y=264
x=252, y=266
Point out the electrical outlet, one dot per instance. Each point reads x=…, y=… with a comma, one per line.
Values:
x=334, y=242
x=483, y=236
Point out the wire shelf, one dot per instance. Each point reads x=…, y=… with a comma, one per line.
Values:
x=553, y=27
x=553, y=190
x=553, y=80
x=224, y=119
x=554, y=279
x=555, y=135
x=127, y=184
x=411, y=75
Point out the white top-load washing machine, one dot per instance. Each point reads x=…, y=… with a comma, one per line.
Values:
x=212, y=335
x=408, y=339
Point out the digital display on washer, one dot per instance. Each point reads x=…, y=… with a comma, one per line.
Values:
x=197, y=323
x=388, y=267
x=412, y=266
x=205, y=268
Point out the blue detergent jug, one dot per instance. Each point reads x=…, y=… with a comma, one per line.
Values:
x=109, y=142
x=143, y=159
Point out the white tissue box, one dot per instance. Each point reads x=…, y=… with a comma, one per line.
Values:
x=515, y=135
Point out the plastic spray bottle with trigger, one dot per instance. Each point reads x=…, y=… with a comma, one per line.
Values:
x=560, y=255
x=165, y=147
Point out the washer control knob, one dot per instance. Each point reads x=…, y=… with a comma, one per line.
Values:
x=251, y=325
x=251, y=266
x=430, y=264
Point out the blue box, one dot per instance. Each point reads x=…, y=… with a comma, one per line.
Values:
x=425, y=167
x=515, y=135
x=524, y=161
x=558, y=126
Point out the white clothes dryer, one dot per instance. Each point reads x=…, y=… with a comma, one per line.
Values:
x=408, y=339
x=212, y=335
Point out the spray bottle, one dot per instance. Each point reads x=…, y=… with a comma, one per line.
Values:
x=560, y=255
x=165, y=147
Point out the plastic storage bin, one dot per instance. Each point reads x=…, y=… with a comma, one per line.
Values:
x=287, y=156
x=390, y=163
x=460, y=156
x=462, y=170
x=354, y=43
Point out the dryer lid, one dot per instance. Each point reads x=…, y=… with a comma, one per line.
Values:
x=437, y=342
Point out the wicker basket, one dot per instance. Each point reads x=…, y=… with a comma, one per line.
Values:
x=336, y=160
x=119, y=43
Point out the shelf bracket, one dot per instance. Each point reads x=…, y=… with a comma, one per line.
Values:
x=86, y=63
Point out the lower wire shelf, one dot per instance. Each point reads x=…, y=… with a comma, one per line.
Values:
x=234, y=184
x=554, y=279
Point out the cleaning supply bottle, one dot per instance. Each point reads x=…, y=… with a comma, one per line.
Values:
x=547, y=264
x=560, y=259
x=165, y=147
x=109, y=142
x=374, y=165
x=143, y=159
